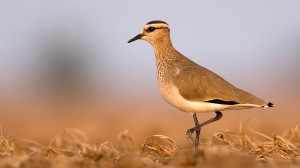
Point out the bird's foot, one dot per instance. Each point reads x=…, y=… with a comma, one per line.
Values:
x=190, y=132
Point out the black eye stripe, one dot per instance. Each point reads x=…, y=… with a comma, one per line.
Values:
x=151, y=29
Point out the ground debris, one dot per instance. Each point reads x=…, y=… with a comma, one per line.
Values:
x=71, y=148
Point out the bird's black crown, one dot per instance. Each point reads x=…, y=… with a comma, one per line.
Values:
x=156, y=22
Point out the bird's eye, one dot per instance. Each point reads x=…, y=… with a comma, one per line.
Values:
x=151, y=29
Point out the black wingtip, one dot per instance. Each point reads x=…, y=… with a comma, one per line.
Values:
x=270, y=104
x=218, y=101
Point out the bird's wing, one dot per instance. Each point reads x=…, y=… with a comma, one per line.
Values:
x=196, y=83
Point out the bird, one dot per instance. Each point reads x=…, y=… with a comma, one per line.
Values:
x=190, y=87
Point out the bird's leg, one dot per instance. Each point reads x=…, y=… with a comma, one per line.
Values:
x=198, y=126
x=198, y=129
x=190, y=132
x=216, y=118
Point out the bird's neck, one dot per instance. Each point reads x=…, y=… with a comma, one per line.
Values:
x=164, y=50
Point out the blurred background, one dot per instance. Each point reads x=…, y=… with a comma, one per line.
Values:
x=67, y=64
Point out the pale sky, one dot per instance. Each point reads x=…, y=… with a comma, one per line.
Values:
x=252, y=44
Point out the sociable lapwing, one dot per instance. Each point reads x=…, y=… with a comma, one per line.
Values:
x=189, y=86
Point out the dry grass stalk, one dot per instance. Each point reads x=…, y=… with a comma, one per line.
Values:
x=159, y=146
x=126, y=143
x=6, y=145
x=272, y=147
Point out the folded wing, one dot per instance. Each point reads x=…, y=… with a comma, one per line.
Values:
x=196, y=83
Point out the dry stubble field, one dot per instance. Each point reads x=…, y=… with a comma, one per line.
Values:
x=72, y=148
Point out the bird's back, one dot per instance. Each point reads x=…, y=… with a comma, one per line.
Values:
x=196, y=83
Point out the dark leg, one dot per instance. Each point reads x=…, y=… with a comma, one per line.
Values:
x=198, y=126
x=198, y=130
x=191, y=131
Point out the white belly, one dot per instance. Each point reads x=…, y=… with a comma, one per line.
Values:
x=171, y=94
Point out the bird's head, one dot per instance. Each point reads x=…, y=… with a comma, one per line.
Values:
x=153, y=31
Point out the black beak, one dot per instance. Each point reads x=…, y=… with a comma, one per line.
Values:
x=135, y=38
